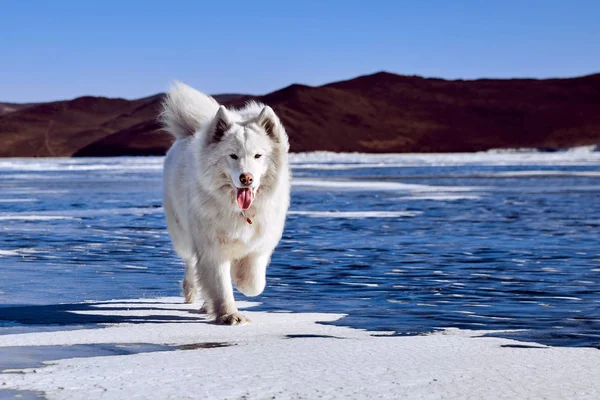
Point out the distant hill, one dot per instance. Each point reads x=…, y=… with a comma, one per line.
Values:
x=382, y=112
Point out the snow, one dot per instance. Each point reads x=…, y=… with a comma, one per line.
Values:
x=77, y=164
x=291, y=355
x=327, y=160
x=586, y=155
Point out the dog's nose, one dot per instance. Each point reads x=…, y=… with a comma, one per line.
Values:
x=246, y=179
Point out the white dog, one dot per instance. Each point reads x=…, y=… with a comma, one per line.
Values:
x=226, y=195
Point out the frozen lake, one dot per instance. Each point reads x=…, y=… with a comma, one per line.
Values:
x=408, y=243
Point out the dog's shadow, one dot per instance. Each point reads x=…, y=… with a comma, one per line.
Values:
x=94, y=313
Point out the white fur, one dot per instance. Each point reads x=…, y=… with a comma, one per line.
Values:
x=208, y=229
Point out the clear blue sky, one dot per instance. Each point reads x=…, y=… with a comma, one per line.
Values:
x=63, y=49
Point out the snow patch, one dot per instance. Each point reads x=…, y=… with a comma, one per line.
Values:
x=289, y=355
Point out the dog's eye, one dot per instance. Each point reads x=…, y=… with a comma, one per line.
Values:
x=233, y=156
x=257, y=155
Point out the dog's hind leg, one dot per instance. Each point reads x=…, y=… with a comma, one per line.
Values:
x=250, y=273
x=183, y=247
x=190, y=281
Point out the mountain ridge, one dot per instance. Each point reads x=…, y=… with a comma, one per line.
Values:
x=379, y=112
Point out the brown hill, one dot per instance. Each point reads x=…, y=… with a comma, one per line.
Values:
x=61, y=128
x=382, y=112
x=10, y=107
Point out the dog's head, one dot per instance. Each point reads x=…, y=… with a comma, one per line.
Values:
x=247, y=152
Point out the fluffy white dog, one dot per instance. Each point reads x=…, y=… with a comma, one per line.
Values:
x=226, y=195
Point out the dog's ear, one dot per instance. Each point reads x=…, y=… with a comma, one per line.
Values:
x=221, y=124
x=269, y=122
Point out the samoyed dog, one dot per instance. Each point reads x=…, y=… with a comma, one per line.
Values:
x=226, y=195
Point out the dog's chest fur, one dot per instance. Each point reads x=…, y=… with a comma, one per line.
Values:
x=238, y=237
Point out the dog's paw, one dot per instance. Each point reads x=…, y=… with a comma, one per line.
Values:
x=232, y=319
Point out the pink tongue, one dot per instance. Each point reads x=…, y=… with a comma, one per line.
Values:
x=244, y=198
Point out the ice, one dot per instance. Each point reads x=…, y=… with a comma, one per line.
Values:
x=134, y=267
x=17, y=200
x=440, y=196
x=505, y=237
x=122, y=164
x=74, y=214
x=288, y=355
x=355, y=214
x=587, y=155
x=579, y=156
x=376, y=185
x=509, y=174
x=578, y=149
x=32, y=217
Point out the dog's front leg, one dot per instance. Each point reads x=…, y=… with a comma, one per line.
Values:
x=250, y=272
x=215, y=281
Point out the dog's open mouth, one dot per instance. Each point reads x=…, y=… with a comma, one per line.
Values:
x=244, y=198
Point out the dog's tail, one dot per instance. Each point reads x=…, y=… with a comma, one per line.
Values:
x=185, y=110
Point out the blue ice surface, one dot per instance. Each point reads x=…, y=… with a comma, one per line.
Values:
x=487, y=241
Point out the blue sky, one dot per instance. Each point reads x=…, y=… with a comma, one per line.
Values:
x=53, y=50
